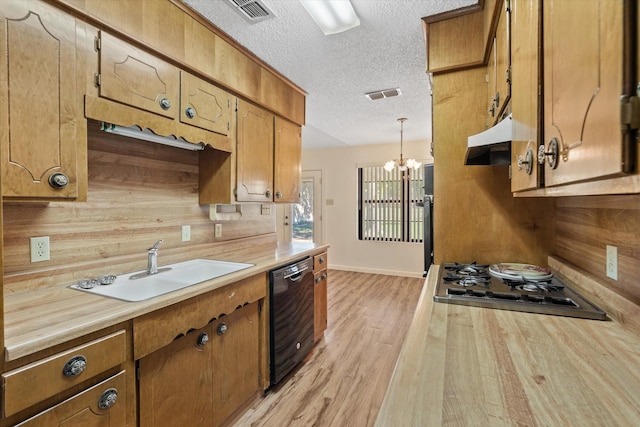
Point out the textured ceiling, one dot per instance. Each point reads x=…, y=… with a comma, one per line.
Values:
x=386, y=51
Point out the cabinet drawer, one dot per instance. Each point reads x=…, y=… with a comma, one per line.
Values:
x=39, y=380
x=159, y=328
x=101, y=405
x=320, y=262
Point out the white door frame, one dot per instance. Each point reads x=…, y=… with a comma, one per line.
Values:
x=284, y=211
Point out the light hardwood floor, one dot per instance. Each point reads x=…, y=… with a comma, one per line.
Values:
x=343, y=381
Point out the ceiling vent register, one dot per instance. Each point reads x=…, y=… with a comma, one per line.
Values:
x=381, y=94
x=251, y=10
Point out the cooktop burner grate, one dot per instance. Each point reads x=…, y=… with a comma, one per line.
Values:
x=471, y=284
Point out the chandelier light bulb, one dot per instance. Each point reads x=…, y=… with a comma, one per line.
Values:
x=402, y=164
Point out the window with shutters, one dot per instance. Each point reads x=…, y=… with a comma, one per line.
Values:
x=390, y=204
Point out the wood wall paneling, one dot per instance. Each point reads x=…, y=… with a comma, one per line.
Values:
x=138, y=192
x=475, y=216
x=585, y=225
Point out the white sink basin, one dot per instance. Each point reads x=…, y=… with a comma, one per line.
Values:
x=131, y=287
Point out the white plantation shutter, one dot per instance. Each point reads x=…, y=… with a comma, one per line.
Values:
x=389, y=204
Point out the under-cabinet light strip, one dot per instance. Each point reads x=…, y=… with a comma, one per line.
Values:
x=147, y=135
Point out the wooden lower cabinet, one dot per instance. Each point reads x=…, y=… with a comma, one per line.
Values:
x=319, y=305
x=235, y=360
x=103, y=405
x=203, y=377
x=319, y=295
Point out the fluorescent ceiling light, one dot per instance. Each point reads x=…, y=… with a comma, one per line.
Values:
x=332, y=16
x=147, y=135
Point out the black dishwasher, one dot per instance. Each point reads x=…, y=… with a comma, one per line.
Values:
x=290, y=316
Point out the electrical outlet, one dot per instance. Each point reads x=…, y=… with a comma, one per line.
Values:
x=186, y=233
x=218, y=230
x=40, y=249
x=612, y=262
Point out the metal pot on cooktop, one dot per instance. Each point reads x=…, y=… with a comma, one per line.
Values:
x=511, y=286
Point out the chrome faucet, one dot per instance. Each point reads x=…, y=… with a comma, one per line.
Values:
x=152, y=258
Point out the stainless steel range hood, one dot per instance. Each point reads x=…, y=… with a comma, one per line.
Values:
x=491, y=147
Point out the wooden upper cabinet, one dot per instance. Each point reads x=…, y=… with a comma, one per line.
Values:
x=499, y=65
x=254, y=154
x=503, y=56
x=42, y=126
x=287, y=161
x=134, y=77
x=526, y=97
x=205, y=105
x=583, y=80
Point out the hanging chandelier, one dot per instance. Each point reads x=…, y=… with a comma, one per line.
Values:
x=402, y=164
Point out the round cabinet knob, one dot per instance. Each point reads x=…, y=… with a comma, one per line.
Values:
x=222, y=328
x=278, y=195
x=267, y=194
x=203, y=339
x=58, y=180
x=318, y=279
x=324, y=276
x=75, y=366
x=165, y=104
x=321, y=260
x=190, y=112
x=108, y=398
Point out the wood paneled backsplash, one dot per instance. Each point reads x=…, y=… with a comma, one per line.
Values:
x=585, y=225
x=139, y=192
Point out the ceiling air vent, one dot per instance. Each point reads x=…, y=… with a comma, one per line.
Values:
x=251, y=10
x=386, y=93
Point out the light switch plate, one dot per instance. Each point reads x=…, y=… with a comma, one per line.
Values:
x=218, y=230
x=186, y=233
x=612, y=262
x=40, y=249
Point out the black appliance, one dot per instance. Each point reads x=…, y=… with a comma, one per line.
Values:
x=477, y=285
x=290, y=316
x=428, y=218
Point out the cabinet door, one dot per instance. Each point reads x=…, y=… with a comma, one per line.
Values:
x=254, y=154
x=525, y=99
x=103, y=405
x=287, y=161
x=319, y=304
x=137, y=78
x=204, y=105
x=176, y=383
x=236, y=360
x=503, y=57
x=40, y=112
x=583, y=62
x=491, y=86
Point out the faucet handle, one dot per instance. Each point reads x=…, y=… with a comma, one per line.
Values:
x=154, y=248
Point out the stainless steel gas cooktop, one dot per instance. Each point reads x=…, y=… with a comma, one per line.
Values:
x=535, y=290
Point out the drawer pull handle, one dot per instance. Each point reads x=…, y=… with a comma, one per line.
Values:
x=321, y=260
x=75, y=366
x=58, y=180
x=203, y=339
x=222, y=329
x=165, y=104
x=108, y=398
x=324, y=276
x=190, y=112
